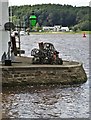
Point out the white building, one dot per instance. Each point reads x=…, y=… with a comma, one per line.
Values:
x=57, y=28
x=64, y=29
x=4, y=35
x=48, y=28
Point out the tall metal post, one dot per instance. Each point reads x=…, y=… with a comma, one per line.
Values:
x=4, y=35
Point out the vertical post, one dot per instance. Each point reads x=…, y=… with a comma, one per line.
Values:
x=10, y=12
x=19, y=37
x=4, y=35
x=19, y=43
x=4, y=38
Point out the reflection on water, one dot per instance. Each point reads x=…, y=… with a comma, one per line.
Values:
x=51, y=101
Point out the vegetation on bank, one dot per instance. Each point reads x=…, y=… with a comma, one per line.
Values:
x=76, y=18
x=80, y=32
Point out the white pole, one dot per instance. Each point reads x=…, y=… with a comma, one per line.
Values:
x=4, y=35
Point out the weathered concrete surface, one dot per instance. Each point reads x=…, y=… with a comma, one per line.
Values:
x=27, y=74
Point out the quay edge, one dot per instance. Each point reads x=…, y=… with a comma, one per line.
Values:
x=69, y=73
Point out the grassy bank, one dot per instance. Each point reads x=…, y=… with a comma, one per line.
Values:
x=78, y=32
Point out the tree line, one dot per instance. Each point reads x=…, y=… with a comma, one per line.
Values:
x=76, y=18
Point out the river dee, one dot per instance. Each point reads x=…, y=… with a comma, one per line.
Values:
x=51, y=101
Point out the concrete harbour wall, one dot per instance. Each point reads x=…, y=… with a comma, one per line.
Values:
x=43, y=74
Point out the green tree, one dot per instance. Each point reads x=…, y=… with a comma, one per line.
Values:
x=54, y=14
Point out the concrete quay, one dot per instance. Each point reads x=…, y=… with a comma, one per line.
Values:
x=23, y=72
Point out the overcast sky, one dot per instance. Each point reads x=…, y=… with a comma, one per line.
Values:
x=33, y=2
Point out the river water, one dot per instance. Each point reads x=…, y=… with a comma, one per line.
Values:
x=51, y=101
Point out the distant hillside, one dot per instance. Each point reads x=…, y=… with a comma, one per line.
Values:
x=54, y=14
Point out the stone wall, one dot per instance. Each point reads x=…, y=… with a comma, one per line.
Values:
x=33, y=75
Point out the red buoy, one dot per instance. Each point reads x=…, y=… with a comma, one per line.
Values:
x=84, y=35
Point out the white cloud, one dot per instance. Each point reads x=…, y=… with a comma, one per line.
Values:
x=32, y=2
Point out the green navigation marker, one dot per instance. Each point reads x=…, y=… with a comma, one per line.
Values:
x=32, y=20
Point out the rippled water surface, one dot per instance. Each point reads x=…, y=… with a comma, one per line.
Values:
x=51, y=101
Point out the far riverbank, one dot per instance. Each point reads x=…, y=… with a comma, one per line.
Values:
x=60, y=32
